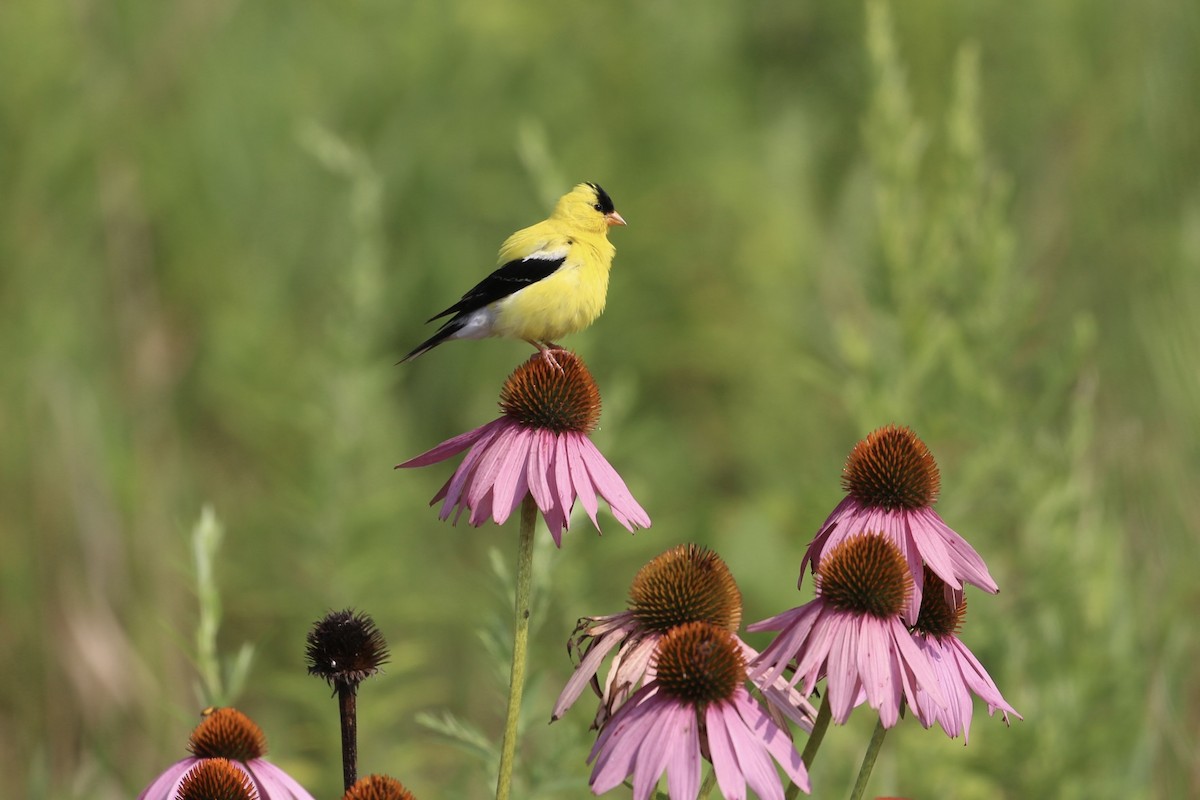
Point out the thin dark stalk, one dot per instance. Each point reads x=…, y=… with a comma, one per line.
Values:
x=348, y=708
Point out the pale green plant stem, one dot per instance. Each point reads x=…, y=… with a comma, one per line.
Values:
x=206, y=541
x=820, y=725
x=868, y=762
x=710, y=781
x=516, y=685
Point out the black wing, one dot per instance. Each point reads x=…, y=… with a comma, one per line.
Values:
x=510, y=278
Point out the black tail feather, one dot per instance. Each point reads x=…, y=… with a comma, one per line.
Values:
x=448, y=329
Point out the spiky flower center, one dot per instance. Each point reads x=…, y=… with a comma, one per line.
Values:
x=892, y=469
x=228, y=733
x=216, y=779
x=939, y=616
x=688, y=583
x=345, y=647
x=865, y=574
x=537, y=395
x=699, y=664
x=377, y=787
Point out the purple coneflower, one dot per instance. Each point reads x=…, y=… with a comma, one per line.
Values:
x=958, y=672
x=852, y=633
x=539, y=446
x=687, y=583
x=892, y=482
x=227, y=733
x=696, y=707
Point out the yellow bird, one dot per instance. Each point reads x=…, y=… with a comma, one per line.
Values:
x=552, y=279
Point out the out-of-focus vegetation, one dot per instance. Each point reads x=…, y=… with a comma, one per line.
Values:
x=222, y=222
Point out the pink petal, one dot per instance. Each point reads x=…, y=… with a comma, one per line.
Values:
x=843, y=681
x=537, y=469
x=617, y=748
x=777, y=742
x=875, y=665
x=511, y=486
x=612, y=488
x=911, y=656
x=451, y=446
x=967, y=564
x=683, y=755
x=753, y=760
x=552, y=512
x=462, y=476
x=482, y=510
x=797, y=625
x=979, y=681
x=586, y=671
x=723, y=753
x=490, y=464
x=580, y=479
x=562, y=479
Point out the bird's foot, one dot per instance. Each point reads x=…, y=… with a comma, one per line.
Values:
x=546, y=349
x=548, y=357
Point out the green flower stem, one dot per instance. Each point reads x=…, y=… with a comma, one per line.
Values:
x=820, y=725
x=868, y=762
x=516, y=686
x=709, y=782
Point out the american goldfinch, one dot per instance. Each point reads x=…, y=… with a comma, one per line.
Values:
x=552, y=279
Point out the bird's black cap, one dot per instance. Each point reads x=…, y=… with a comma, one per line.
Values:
x=606, y=203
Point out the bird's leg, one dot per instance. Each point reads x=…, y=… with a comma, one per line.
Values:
x=547, y=356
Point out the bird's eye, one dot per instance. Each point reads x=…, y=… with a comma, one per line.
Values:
x=597, y=207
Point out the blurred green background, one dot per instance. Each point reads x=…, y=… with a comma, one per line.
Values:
x=222, y=222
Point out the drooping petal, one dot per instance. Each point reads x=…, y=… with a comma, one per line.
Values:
x=875, y=666
x=914, y=660
x=490, y=463
x=843, y=682
x=461, y=479
x=966, y=564
x=581, y=481
x=511, y=484
x=612, y=488
x=723, y=753
x=979, y=681
x=683, y=762
x=617, y=748
x=562, y=480
x=753, y=757
x=776, y=740
x=631, y=666
x=586, y=670
x=556, y=517
x=481, y=512
x=537, y=470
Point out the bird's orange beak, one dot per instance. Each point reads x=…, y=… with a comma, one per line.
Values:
x=615, y=219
